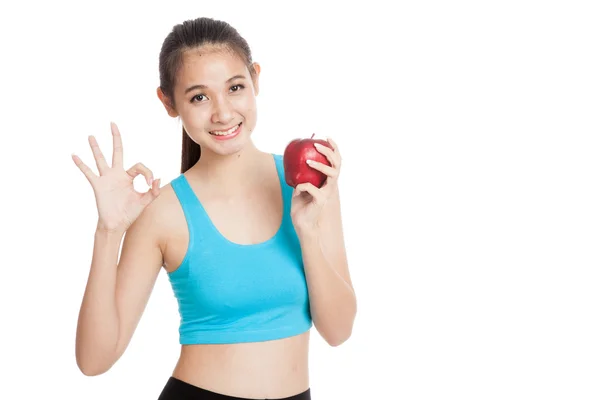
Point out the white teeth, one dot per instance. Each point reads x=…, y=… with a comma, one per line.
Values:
x=225, y=133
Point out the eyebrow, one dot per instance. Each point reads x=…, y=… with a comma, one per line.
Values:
x=206, y=87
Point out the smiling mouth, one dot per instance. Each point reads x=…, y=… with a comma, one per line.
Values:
x=228, y=132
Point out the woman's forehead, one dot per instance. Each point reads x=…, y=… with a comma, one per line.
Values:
x=210, y=64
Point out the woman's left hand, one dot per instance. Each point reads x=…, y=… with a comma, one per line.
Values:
x=307, y=199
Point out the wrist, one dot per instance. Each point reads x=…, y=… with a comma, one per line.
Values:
x=308, y=234
x=104, y=231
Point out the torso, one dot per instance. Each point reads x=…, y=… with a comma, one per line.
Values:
x=269, y=369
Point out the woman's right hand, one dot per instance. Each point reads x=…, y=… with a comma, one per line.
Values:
x=119, y=204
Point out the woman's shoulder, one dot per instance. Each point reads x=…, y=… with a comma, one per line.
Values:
x=165, y=203
x=161, y=211
x=278, y=159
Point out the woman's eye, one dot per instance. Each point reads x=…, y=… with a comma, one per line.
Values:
x=239, y=87
x=196, y=97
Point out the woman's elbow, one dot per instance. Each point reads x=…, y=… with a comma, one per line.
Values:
x=92, y=366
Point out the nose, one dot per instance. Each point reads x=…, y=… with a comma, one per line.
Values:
x=222, y=111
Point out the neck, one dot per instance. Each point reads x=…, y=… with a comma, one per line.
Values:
x=227, y=171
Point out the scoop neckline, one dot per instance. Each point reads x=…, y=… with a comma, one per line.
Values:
x=222, y=237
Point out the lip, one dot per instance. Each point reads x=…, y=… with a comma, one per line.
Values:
x=228, y=137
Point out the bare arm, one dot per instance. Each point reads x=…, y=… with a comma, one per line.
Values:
x=116, y=296
x=317, y=218
x=333, y=303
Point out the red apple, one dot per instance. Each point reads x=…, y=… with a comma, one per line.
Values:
x=294, y=162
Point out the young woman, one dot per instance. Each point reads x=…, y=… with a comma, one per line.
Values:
x=252, y=261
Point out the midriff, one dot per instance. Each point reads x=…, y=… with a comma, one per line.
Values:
x=269, y=369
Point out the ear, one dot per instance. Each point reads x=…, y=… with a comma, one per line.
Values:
x=166, y=102
x=256, y=67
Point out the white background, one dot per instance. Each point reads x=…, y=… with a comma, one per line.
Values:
x=470, y=137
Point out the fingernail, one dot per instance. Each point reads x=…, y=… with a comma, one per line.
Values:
x=309, y=161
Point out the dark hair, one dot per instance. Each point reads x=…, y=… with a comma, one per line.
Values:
x=189, y=35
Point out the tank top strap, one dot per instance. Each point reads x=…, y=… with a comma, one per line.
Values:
x=195, y=215
x=286, y=190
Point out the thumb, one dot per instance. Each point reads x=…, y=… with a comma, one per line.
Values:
x=152, y=193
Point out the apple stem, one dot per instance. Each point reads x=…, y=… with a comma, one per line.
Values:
x=313, y=135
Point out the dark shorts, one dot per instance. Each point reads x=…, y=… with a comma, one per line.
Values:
x=180, y=390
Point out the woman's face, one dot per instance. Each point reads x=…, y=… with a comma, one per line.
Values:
x=215, y=97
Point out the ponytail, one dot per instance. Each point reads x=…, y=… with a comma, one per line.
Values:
x=190, y=152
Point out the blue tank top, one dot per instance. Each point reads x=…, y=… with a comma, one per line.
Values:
x=232, y=293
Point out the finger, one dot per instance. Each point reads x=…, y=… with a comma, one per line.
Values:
x=310, y=189
x=326, y=169
x=152, y=193
x=333, y=144
x=336, y=152
x=89, y=174
x=140, y=168
x=117, y=158
x=98, y=156
x=327, y=152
